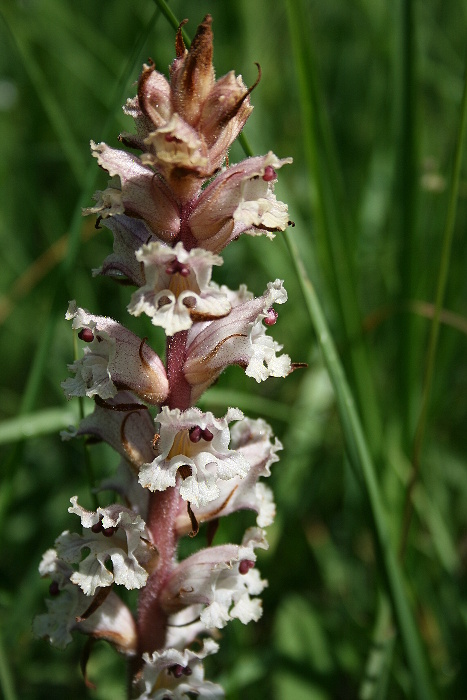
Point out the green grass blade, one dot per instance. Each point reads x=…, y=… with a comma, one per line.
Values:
x=6, y=679
x=331, y=218
x=44, y=422
x=446, y=247
x=362, y=464
x=172, y=20
x=374, y=685
x=36, y=373
x=403, y=213
x=52, y=108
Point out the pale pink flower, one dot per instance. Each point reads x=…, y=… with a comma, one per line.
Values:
x=193, y=454
x=178, y=289
x=113, y=359
x=221, y=580
x=178, y=675
x=69, y=610
x=113, y=533
x=253, y=439
x=238, y=339
x=141, y=193
x=240, y=200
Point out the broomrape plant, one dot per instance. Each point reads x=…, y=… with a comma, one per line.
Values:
x=172, y=209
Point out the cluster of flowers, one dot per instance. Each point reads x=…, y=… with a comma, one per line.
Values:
x=171, y=210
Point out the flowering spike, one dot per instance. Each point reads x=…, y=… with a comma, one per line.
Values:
x=172, y=207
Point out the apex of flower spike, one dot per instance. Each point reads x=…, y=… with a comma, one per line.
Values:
x=185, y=127
x=192, y=73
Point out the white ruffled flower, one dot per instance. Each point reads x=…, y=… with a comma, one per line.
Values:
x=69, y=609
x=114, y=533
x=239, y=338
x=221, y=580
x=178, y=675
x=263, y=361
x=113, y=358
x=194, y=450
x=178, y=287
x=137, y=193
x=240, y=200
x=254, y=440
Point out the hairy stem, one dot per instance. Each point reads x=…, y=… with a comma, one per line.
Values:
x=162, y=511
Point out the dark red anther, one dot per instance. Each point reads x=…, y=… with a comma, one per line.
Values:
x=271, y=317
x=177, y=670
x=170, y=138
x=86, y=334
x=97, y=527
x=269, y=174
x=245, y=565
x=109, y=531
x=177, y=266
x=196, y=434
x=187, y=671
x=207, y=435
x=54, y=588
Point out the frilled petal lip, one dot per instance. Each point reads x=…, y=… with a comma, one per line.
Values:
x=255, y=441
x=196, y=467
x=158, y=681
x=176, y=144
x=127, y=546
x=174, y=300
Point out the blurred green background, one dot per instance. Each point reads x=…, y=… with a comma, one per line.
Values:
x=366, y=97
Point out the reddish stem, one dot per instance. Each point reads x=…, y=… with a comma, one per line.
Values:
x=180, y=390
x=162, y=511
x=152, y=620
